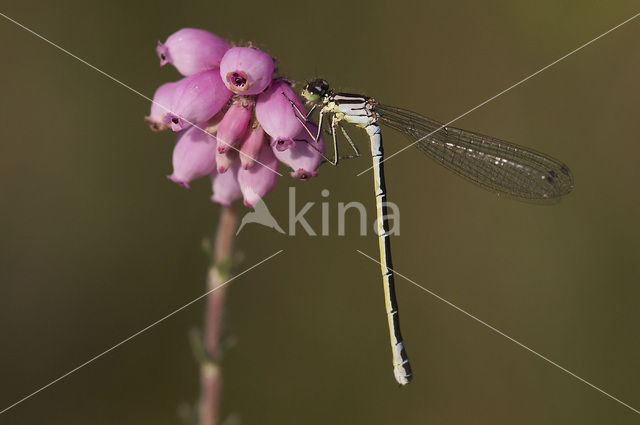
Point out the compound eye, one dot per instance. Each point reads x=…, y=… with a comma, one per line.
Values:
x=318, y=86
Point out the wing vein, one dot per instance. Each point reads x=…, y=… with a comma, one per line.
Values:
x=494, y=164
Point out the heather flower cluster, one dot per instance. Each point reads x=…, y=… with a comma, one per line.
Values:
x=234, y=118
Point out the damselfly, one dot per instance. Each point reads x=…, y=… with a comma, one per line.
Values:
x=494, y=164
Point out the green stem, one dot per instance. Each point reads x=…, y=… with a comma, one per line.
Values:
x=210, y=374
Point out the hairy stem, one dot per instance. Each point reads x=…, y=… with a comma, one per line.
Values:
x=210, y=374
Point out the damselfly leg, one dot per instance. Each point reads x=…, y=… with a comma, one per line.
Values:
x=353, y=145
x=304, y=119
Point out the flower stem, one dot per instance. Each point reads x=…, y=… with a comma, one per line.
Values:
x=210, y=374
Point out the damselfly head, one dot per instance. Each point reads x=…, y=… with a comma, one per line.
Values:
x=315, y=90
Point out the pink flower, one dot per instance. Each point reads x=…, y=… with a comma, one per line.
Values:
x=223, y=116
x=251, y=145
x=161, y=104
x=225, y=186
x=258, y=180
x=233, y=125
x=196, y=99
x=276, y=114
x=193, y=156
x=246, y=70
x=303, y=158
x=192, y=50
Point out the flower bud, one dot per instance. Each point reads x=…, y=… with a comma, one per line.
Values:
x=258, y=180
x=225, y=159
x=233, y=126
x=161, y=104
x=212, y=125
x=225, y=186
x=246, y=70
x=192, y=50
x=251, y=145
x=197, y=98
x=303, y=158
x=277, y=116
x=193, y=156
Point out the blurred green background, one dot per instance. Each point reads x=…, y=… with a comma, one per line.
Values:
x=96, y=244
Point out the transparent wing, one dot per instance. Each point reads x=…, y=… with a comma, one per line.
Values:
x=494, y=164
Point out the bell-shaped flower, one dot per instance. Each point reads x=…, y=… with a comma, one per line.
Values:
x=193, y=156
x=225, y=186
x=233, y=125
x=277, y=115
x=196, y=99
x=306, y=156
x=192, y=50
x=251, y=145
x=258, y=180
x=246, y=70
x=160, y=106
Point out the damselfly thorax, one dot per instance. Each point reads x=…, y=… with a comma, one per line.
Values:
x=351, y=108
